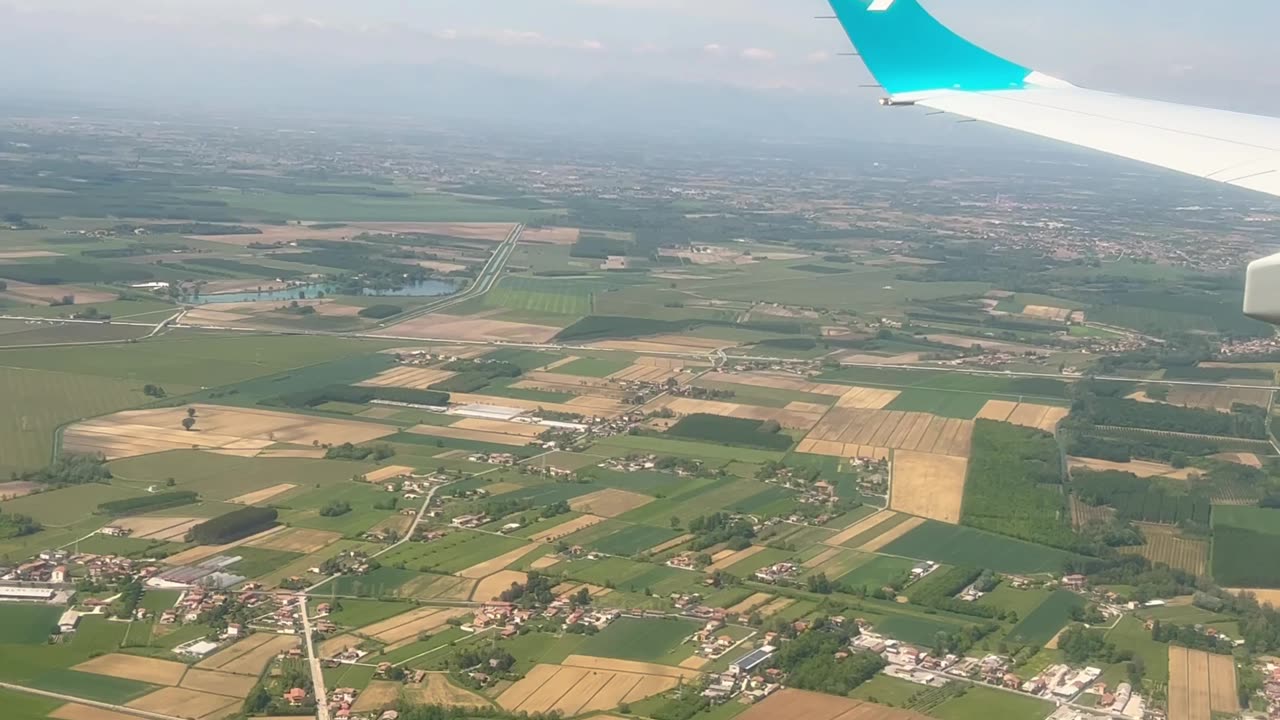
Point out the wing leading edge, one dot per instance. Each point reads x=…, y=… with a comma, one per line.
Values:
x=919, y=61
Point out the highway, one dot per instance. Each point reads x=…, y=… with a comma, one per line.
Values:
x=317, y=673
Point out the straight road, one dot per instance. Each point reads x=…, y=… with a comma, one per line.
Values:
x=317, y=673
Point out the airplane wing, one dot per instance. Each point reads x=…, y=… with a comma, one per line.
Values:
x=919, y=61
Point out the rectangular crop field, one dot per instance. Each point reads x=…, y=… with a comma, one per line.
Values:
x=1164, y=545
x=27, y=624
x=634, y=539
x=102, y=688
x=930, y=486
x=557, y=297
x=593, y=367
x=963, y=406
x=791, y=703
x=657, y=641
x=1201, y=685
x=980, y=703
x=1234, y=561
x=957, y=545
x=1045, y=621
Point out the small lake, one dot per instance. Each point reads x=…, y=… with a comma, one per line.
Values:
x=424, y=288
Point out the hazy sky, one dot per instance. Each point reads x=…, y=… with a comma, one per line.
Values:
x=1187, y=50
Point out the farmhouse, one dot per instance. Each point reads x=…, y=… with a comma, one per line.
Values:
x=69, y=621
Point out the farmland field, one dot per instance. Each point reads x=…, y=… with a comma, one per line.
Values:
x=655, y=641
x=1044, y=622
x=964, y=406
x=37, y=402
x=558, y=297
x=593, y=367
x=980, y=703
x=955, y=545
x=102, y=688
x=633, y=540
x=624, y=444
x=1261, y=520
x=1165, y=546
x=453, y=553
x=27, y=624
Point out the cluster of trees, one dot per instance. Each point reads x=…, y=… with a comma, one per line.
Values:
x=155, y=391
x=555, y=510
x=1187, y=636
x=233, y=526
x=71, y=469
x=347, y=451
x=148, y=503
x=939, y=592
x=1005, y=493
x=1176, y=451
x=1082, y=645
x=1149, y=581
x=535, y=590
x=731, y=431
x=1244, y=421
x=807, y=661
x=598, y=247
x=380, y=312
x=721, y=527
x=1136, y=498
x=355, y=395
x=14, y=525
x=335, y=508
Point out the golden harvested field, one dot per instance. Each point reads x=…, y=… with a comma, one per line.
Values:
x=791, y=419
x=437, y=690
x=1044, y=312
x=489, y=567
x=790, y=703
x=85, y=712
x=337, y=644
x=1041, y=417
x=489, y=588
x=609, y=503
x=550, y=236
x=575, y=690
x=387, y=473
x=778, y=381
x=408, y=376
x=566, y=528
x=930, y=486
x=218, y=683
x=613, y=407
x=180, y=702
x=477, y=435
x=502, y=427
x=859, y=527
x=45, y=294
x=249, y=656
x=1263, y=596
x=1141, y=468
x=1200, y=684
x=263, y=495
x=759, y=599
x=874, y=544
x=693, y=662
x=735, y=558
x=1240, y=458
x=843, y=432
x=133, y=667
x=378, y=695
x=157, y=528
x=414, y=623
x=545, y=562
x=299, y=540
x=450, y=327
x=602, y=663
x=860, y=398
x=668, y=545
x=143, y=432
x=1165, y=546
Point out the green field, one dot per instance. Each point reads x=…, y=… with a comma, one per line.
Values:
x=593, y=367
x=359, y=613
x=454, y=552
x=981, y=703
x=886, y=690
x=222, y=477
x=877, y=573
x=19, y=706
x=657, y=641
x=1262, y=520
x=27, y=624
x=964, y=406
x=383, y=582
x=955, y=545
x=68, y=505
x=1007, y=597
x=634, y=539
x=102, y=688
x=304, y=510
x=1044, y=622
x=557, y=297
x=1131, y=634
x=38, y=402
